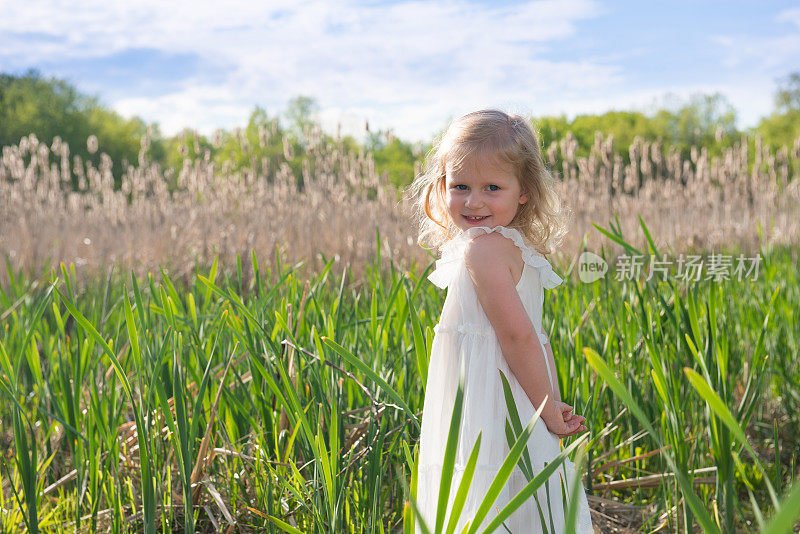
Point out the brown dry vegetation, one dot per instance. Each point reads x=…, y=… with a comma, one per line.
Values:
x=334, y=205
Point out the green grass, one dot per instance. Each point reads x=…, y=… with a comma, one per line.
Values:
x=292, y=402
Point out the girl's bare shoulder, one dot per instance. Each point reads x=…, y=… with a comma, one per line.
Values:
x=491, y=252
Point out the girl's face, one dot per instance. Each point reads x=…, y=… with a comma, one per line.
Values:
x=483, y=192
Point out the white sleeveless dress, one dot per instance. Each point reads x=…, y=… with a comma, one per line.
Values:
x=465, y=333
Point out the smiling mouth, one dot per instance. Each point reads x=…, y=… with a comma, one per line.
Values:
x=474, y=218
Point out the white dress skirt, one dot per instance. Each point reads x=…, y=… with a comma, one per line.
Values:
x=464, y=334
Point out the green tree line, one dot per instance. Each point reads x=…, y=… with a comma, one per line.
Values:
x=50, y=107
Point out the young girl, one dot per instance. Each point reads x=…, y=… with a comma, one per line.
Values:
x=486, y=198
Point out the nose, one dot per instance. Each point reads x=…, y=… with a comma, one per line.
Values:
x=473, y=200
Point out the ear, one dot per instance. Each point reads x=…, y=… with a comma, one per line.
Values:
x=524, y=197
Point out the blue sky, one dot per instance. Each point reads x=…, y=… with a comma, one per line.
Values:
x=409, y=66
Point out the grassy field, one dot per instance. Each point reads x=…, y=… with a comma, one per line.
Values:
x=158, y=379
x=284, y=398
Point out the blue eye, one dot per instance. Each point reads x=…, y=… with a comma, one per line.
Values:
x=460, y=187
x=493, y=188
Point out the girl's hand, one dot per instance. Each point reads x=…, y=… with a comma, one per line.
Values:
x=570, y=423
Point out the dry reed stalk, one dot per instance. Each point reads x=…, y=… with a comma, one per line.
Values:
x=333, y=205
x=654, y=481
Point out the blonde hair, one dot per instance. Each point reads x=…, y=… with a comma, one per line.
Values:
x=542, y=220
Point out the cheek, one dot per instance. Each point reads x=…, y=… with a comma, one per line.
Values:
x=450, y=204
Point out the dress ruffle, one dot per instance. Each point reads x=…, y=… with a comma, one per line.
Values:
x=453, y=253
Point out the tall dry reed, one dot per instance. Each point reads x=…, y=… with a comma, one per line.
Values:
x=335, y=203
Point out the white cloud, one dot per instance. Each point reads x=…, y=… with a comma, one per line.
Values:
x=202, y=108
x=766, y=53
x=409, y=65
x=791, y=15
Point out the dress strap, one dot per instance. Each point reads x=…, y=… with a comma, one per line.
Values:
x=453, y=253
x=543, y=338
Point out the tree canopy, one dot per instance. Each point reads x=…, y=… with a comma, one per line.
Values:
x=782, y=127
x=50, y=107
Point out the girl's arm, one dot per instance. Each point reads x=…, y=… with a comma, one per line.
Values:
x=566, y=410
x=489, y=259
x=551, y=362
